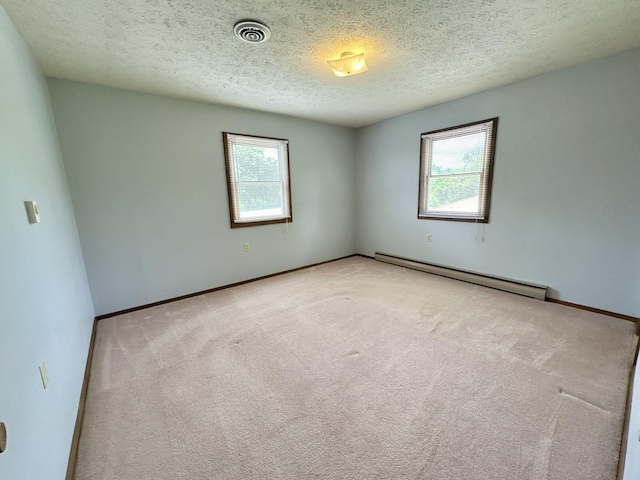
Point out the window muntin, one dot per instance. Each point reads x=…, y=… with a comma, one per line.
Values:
x=258, y=180
x=455, y=172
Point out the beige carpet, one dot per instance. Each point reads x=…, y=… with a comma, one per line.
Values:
x=357, y=370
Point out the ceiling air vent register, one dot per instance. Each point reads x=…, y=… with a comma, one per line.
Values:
x=251, y=31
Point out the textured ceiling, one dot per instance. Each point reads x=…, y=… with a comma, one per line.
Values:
x=420, y=52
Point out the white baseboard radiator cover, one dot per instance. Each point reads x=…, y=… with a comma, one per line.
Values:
x=514, y=286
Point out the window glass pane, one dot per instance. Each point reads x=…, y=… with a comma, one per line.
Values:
x=256, y=163
x=461, y=154
x=260, y=199
x=460, y=193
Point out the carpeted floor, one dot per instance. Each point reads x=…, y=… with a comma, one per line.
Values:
x=357, y=370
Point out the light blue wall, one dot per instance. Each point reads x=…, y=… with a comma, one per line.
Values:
x=45, y=307
x=565, y=210
x=147, y=179
x=148, y=184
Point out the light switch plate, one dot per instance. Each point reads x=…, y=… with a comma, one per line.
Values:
x=32, y=211
x=43, y=374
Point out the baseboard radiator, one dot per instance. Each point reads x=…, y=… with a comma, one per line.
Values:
x=514, y=286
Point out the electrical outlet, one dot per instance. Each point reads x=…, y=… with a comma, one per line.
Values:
x=428, y=237
x=247, y=247
x=43, y=374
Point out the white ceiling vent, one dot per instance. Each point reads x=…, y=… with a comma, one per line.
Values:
x=251, y=31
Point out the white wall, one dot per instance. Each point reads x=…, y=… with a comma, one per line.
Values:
x=148, y=184
x=565, y=210
x=45, y=307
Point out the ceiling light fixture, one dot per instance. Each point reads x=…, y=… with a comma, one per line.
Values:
x=251, y=31
x=348, y=64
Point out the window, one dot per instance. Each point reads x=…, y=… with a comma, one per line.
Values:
x=455, y=172
x=258, y=180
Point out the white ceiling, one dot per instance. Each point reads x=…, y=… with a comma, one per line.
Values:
x=420, y=52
